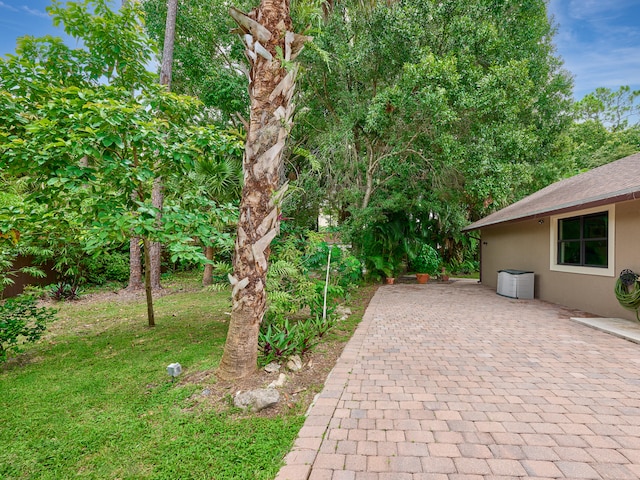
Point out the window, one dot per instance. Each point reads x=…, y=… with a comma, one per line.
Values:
x=583, y=240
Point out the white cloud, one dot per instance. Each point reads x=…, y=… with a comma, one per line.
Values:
x=33, y=11
x=594, y=10
x=599, y=42
x=610, y=68
x=8, y=7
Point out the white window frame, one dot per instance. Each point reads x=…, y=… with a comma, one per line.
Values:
x=609, y=271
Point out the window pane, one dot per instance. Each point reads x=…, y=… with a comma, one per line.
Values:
x=595, y=226
x=569, y=253
x=595, y=253
x=569, y=229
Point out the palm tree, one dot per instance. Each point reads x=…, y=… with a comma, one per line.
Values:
x=271, y=48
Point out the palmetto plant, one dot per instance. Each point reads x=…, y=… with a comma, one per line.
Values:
x=219, y=177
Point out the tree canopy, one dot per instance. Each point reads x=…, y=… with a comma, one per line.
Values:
x=441, y=110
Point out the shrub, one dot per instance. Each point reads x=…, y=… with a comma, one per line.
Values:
x=37, y=291
x=110, y=266
x=21, y=321
x=346, y=269
x=296, y=284
x=64, y=291
x=279, y=341
x=427, y=260
x=466, y=267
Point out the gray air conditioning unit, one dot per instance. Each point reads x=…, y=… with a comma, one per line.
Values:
x=515, y=283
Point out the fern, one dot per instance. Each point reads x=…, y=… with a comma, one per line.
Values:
x=222, y=268
x=216, y=287
x=283, y=268
x=314, y=163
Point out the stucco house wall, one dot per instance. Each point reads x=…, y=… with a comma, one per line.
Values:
x=528, y=244
x=520, y=246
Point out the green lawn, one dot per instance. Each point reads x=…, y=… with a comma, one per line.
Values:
x=93, y=399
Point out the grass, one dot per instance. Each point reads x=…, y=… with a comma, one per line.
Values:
x=93, y=399
x=472, y=275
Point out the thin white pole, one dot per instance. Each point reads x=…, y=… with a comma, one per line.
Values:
x=326, y=286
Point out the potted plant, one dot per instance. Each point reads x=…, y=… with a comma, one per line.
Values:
x=444, y=276
x=426, y=263
x=386, y=267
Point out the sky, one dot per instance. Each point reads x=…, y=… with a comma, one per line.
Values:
x=599, y=40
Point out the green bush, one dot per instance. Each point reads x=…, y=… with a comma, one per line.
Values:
x=466, y=267
x=278, y=342
x=427, y=260
x=110, y=266
x=295, y=282
x=346, y=269
x=21, y=322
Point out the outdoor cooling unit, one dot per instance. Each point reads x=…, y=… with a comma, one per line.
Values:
x=515, y=283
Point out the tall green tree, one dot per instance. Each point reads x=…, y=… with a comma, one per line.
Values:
x=157, y=193
x=444, y=110
x=610, y=108
x=606, y=127
x=209, y=59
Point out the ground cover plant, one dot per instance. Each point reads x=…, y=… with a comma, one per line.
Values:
x=21, y=322
x=92, y=399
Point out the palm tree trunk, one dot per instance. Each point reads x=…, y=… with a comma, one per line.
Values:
x=271, y=88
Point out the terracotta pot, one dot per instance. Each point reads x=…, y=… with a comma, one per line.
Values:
x=422, y=277
x=389, y=280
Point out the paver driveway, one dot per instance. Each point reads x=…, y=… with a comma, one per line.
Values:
x=451, y=382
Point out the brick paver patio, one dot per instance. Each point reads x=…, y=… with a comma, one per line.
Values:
x=452, y=382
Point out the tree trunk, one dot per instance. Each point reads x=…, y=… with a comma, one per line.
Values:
x=368, y=189
x=271, y=88
x=147, y=283
x=135, y=259
x=155, y=250
x=135, y=254
x=157, y=195
x=135, y=265
x=169, y=39
x=207, y=277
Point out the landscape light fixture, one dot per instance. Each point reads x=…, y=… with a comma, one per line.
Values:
x=174, y=370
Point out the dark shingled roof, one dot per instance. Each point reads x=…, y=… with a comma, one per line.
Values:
x=615, y=182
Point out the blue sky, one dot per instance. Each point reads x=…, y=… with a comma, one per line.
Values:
x=599, y=40
x=23, y=17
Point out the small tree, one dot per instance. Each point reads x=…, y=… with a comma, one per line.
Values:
x=91, y=150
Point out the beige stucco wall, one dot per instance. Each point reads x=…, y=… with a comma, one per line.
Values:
x=526, y=246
